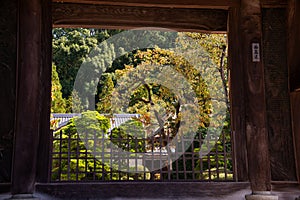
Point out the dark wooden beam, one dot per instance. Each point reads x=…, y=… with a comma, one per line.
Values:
x=212, y=4
x=43, y=166
x=293, y=49
x=237, y=96
x=281, y=146
x=294, y=72
x=126, y=17
x=28, y=97
x=8, y=55
x=4, y=188
x=141, y=190
x=295, y=107
x=294, y=43
x=274, y=3
x=256, y=126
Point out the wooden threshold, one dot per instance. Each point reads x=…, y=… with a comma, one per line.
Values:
x=138, y=190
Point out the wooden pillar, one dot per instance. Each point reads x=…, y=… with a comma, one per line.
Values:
x=293, y=49
x=8, y=54
x=28, y=97
x=237, y=96
x=281, y=148
x=295, y=106
x=43, y=165
x=294, y=43
x=256, y=126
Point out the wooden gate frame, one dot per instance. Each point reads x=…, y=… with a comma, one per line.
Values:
x=249, y=128
x=216, y=16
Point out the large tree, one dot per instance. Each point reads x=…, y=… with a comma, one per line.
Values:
x=58, y=104
x=70, y=47
x=160, y=107
x=106, y=86
x=74, y=47
x=150, y=81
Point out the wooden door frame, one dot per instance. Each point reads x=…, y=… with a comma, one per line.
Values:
x=66, y=15
x=190, y=19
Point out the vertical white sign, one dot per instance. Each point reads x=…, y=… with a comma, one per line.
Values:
x=255, y=52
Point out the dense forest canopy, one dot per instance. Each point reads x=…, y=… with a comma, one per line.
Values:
x=73, y=47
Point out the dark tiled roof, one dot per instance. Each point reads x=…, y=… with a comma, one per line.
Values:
x=115, y=121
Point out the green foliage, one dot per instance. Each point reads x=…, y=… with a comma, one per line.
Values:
x=133, y=133
x=70, y=47
x=159, y=106
x=91, y=122
x=216, y=47
x=82, y=139
x=74, y=46
x=57, y=102
x=75, y=137
x=217, y=165
x=152, y=96
x=98, y=60
x=164, y=57
x=73, y=103
x=106, y=87
x=104, y=34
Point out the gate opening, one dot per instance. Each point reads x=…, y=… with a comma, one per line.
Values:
x=156, y=112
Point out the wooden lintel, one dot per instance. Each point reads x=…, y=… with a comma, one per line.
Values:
x=212, y=4
x=124, y=17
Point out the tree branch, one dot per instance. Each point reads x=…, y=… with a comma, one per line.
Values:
x=221, y=70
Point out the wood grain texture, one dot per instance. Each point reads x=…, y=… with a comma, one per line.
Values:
x=293, y=49
x=277, y=95
x=27, y=100
x=274, y=3
x=8, y=55
x=256, y=126
x=141, y=190
x=294, y=43
x=43, y=166
x=295, y=104
x=216, y=4
x=82, y=15
x=237, y=96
